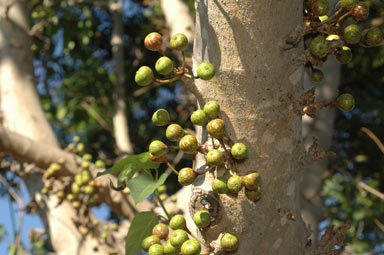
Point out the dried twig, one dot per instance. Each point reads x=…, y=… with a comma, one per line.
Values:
x=374, y=138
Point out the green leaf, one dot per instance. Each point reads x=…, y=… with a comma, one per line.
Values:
x=140, y=228
x=128, y=166
x=142, y=186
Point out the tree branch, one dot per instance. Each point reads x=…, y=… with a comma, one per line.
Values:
x=42, y=155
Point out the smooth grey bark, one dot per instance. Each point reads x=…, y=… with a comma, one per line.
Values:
x=22, y=113
x=120, y=121
x=256, y=86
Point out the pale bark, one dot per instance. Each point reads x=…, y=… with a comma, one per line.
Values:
x=322, y=128
x=120, y=121
x=22, y=113
x=256, y=85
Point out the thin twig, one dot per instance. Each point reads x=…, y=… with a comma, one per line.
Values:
x=374, y=138
x=379, y=224
x=97, y=116
x=371, y=190
x=11, y=191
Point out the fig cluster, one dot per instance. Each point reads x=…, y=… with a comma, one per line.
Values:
x=175, y=238
x=333, y=34
x=166, y=66
x=80, y=190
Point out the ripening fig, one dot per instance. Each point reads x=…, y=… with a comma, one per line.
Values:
x=199, y=117
x=235, y=184
x=89, y=190
x=360, y=11
x=85, y=164
x=229, y=242
x=352, y=34
x=153, y=41
x=179, y=42
x=144, y=76
x=60, y=194
x=75, y=188
x=345, y=102
x=174, y=132
x=149, y=241
x=253, y=195
x=157, y=148
x=178, y=237
x=169, y=249
x=212, y=109
x=191, y=247
x=160, y=230
x=177, y=222
x=219, y=185
x=202, y=218
x=344, y=56
x=161, y=118
x=252, y=181
x=319, y=47
x=186, y=176
x=76, y=204
x=70, y=197
x=163, y=197
x=156, y=249
x=216, y=128
x=44, y=190
x=239, y=151
x=317, y=75
x=189, y=144
x=84, y=230
x=215, y=157
x=115, y=227
x=87, y=157
x=372, y=36
x=164, y=65
x=348, y=4
x=76, y=139
x=320, y=7
x=162, y=188
x=100, y=164
x=206, y=71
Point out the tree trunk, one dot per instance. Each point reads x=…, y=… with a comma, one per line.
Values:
x=120, y=121
x=22, y=113
x=256, y=86
x=322, y=128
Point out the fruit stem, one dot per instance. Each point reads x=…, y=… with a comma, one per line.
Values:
x=221, y=141
x=330, y=19
x=162, y=205
x=182, y=53
x=345, y=15
x=198, y=239
x=167, y=81
x=188, y=76
x=172, y=168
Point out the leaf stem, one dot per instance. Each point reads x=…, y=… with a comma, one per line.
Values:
x=162, y=205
